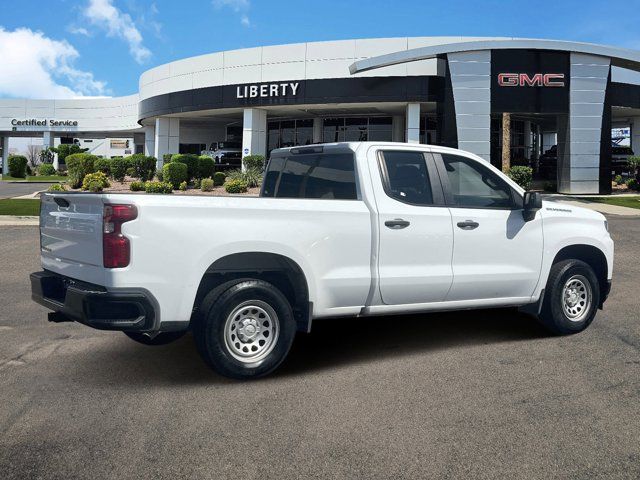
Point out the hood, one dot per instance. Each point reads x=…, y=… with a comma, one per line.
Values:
x=568, y=210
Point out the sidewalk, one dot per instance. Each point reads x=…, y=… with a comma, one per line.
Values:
x=584, y=201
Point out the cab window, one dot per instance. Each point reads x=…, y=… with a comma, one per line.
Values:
x=475, y=186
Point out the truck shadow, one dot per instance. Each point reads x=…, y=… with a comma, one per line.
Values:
x=333, y=343
x=340, y=341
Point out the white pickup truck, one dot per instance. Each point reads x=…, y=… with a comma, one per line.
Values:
x=339, y=230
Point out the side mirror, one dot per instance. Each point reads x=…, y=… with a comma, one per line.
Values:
x=532, y=203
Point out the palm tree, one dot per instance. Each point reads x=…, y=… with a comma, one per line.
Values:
x=506, y=142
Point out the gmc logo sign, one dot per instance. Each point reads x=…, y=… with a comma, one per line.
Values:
x=535, y=80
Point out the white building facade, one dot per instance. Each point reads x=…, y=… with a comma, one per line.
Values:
x=563, y=97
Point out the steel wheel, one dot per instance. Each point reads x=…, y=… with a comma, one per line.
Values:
x=251, y=331
x=576, y=298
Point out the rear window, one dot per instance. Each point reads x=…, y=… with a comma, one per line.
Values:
x=315, y=175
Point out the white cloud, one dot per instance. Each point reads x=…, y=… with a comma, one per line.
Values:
x=78, y=30
x=35, y=66
x=103, y=14
x=238, y=6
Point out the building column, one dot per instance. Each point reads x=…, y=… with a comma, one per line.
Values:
x=397, y=128
x=471, y=85
x=254, y=132
x=527, y=139
x=634, y=123
x=5, y=155
x=413, y=123
x=149, y=141
x=579, y=163
x=166, y=138
x=317, y=130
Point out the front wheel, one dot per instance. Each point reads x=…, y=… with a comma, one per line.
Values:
x=571, y=298
x=246, y=330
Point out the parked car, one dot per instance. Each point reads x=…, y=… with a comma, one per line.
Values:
x=339, y=230
x=226, y=154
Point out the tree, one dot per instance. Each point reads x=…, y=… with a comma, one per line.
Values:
x=634, y=167
x=506, y=142
x=46, y=155
x=66, y=149
x=33, y=154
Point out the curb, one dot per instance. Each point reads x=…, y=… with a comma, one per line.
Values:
x=18, y=221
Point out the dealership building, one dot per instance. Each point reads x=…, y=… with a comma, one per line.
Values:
x=564, y=99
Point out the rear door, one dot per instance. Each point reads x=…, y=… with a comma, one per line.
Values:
x=496, y=254
x=416, y=235
x=71, y=235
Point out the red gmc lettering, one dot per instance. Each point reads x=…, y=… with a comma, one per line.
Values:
x=535, y=80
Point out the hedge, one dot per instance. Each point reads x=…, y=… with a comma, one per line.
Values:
x=235, y=186
x=158, y=187
x=175, y=173
x=190, y=160
x=102, y=165
x=253, y=161
x=523, y=176
x=18, y=166
x=46, y=169
x=144, y=167
x=219, y=178
x=119, y=167
x=206, y=166
x=79, y=165
x=206, y=185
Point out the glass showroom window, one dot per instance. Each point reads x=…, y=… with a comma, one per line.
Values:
x=289, y=133
x=357, y=129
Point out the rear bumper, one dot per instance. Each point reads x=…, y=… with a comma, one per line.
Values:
x=93, y=305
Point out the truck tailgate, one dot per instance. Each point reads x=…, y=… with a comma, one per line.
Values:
x=71, y=235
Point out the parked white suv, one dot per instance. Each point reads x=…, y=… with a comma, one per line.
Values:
x=339, y=230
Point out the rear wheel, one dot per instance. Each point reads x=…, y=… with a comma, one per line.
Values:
x=245, y=329
x=161, y=338
x=571, y=298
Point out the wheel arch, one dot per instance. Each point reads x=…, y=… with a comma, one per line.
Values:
x=592, y=256
x=279, y=270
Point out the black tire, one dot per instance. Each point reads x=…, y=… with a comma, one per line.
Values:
x=224, y=305
x=162, y=338
x=554, y=315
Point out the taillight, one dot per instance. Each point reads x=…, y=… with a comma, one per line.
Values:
x=116, y=251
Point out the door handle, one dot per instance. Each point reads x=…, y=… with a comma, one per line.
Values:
x=397, y=223
x=468, y=225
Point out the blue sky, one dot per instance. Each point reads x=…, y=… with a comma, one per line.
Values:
x=64, y=48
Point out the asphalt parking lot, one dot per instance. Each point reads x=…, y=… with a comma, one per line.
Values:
x=461, y=395
x=14, y=189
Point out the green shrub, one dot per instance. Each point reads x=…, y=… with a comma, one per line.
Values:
x=158, y=187
x=29, y=170
x=79, y=165
x=102, y=165
x=17, y=166
x=206, y=166
x=95, y=182
x=251, y=176
x=190, y=160
x=119, y=167
x=522, y=176
x=196, y=182
x=175, y=173
x=183, y=186
x=166, y=158
x=66, y=149
x=236, y=186
x=634, y=165
x=632, y=184
x=57, y=187
x=144, y=167
x=254, y=161
x=131, y=172
x=206, y=185
x=46, y=169
x=137, y=186
x=159, y=175
x=618, y=179
x=219, y=178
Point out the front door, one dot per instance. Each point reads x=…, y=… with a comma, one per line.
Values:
x=415, y=231
x=496, y=253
